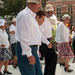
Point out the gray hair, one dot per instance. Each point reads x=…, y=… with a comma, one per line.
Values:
x=65, y=16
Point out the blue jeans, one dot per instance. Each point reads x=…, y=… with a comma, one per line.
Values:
x=13, y=49
x=23, y=63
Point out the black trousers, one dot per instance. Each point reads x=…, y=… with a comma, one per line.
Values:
x=74, y=46
x=51, y=59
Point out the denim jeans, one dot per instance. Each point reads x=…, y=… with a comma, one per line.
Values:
x=23, y=63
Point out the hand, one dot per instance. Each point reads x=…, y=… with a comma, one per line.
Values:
x=31, y=60
x=2, y=45
x=12, y=32
x=49, y=45
x=51, y=38
x=9, y=47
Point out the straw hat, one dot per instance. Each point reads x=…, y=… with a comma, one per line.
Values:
x=34, y=1
x=2, y=22
x=49, y=7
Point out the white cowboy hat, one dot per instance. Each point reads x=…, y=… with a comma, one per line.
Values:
x=49, y=7
x=34, y=1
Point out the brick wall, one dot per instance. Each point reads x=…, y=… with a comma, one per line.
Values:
x=64, y=4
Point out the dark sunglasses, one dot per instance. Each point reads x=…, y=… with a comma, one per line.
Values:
x=51, y=12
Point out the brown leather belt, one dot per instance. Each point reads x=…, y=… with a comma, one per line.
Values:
x=30, y=45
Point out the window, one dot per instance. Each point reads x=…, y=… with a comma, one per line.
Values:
x=52, y=0
x=58, y=9
x=70, y=9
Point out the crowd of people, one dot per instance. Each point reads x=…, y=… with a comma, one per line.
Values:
x=30, y=34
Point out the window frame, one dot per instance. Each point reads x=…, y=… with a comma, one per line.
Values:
x=59, y=11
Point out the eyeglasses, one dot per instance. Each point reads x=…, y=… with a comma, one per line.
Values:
x=68, y=19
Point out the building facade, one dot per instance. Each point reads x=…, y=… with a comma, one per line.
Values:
x=63, y=6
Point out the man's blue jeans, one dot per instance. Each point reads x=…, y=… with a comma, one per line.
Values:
x=23, y=62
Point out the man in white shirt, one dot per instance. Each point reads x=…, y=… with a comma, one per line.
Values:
x=50, y=54
x=28, y=37
x=13, y=41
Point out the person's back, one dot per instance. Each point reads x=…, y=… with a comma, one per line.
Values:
x=13, y=41
x=12, y=36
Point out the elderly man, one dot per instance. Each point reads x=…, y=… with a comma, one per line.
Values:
x=50, y=54
x=28, y=37
x=53, y=22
